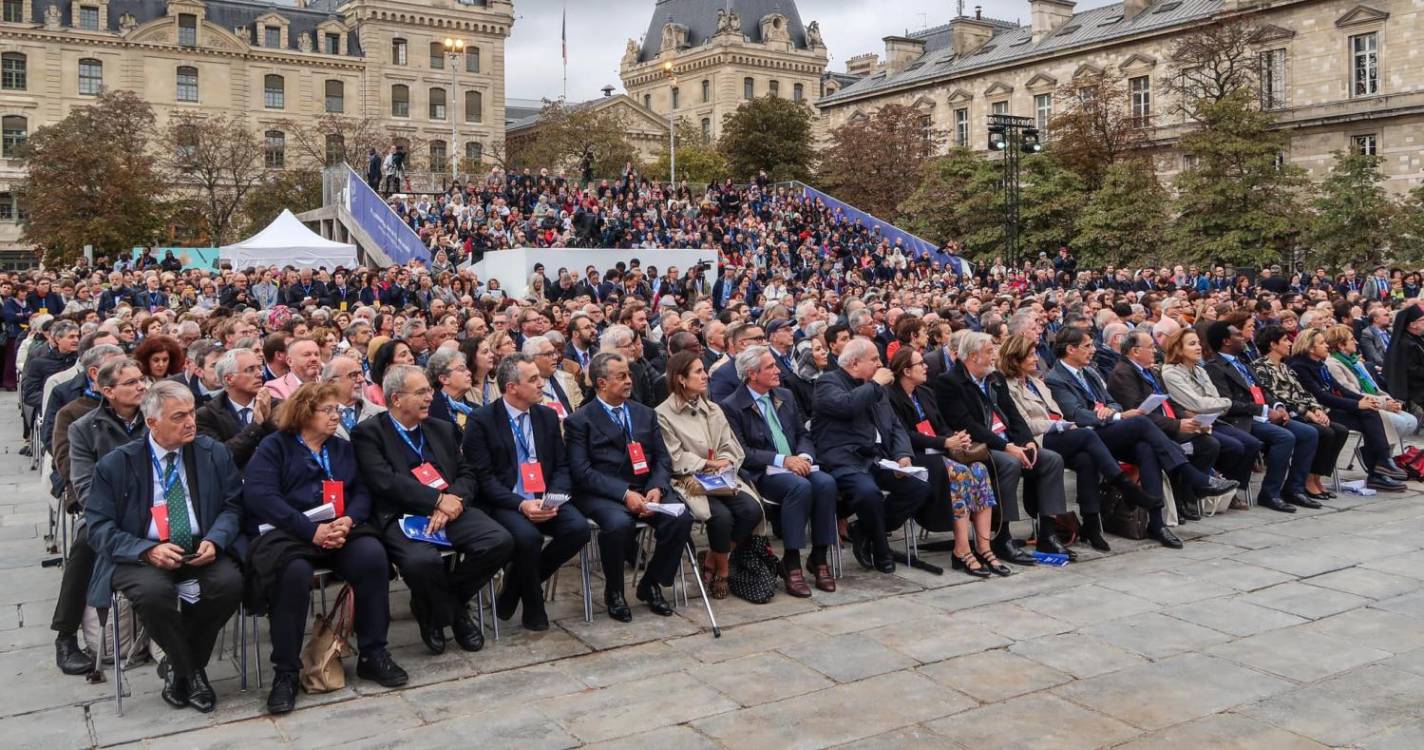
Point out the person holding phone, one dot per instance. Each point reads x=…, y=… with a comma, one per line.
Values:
x=301, y=467
x=518, y=454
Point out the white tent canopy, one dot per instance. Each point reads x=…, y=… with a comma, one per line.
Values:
x=287, y=241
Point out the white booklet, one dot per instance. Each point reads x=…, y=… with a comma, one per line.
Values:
x=553, y=500
x=918, y=472
x=1206, y=419
x=772, y=471
x=323, y=512
x=667, y=509
x=1151, y=403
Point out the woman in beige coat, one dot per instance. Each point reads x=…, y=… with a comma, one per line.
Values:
x=702, y=446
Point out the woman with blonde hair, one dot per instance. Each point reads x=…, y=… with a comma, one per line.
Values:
x=1346, y=367
x=1282, y=387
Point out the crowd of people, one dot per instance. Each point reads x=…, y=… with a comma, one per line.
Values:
x=825, y=385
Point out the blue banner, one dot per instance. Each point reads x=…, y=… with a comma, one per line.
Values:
x=914, y=246
x=202, y=258
x=398, y=241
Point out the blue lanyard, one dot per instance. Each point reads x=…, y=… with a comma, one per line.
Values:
x=163, y=476
x=525, y=453
x=485, y=389
x=1250, y=380
x=613, y=414
x=457, y=406
x=405, y=437
x=1146, y=375
x=1033, y=388
x=322, y=459
x=919, y=412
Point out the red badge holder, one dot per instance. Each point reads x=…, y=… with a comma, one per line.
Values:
x=160, y=520
x=639, y=459
x=1257, y=397
x=924, y=428
x=429, y=476
x=998, y=425
x=532, y=474
x=334, y=491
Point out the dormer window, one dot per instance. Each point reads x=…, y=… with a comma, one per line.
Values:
x=333, y=44
x=89, y=17
x=187, y=29
x=272, y=37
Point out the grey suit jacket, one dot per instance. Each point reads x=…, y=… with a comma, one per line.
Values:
x=1372, y=346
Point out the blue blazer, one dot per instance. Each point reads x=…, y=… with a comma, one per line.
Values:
x=16, y=314
x=1075, y=400
x=283, y=480
x=848, y=415
x=50, y=302
x=598, y=452
x=749, y=426
x=120, y=500
x=724, y=382
x=489, y=447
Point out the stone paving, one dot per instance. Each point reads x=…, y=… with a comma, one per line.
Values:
x=1267, y=631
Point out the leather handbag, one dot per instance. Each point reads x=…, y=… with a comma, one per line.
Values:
x=976, y=453
x=1120, y=517
x=330, y=641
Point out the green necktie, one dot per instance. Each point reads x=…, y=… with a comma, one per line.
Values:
x=180, y=527
x=773, y=423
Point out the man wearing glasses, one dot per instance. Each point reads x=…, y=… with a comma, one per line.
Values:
x=724, y=379
x=560, y=390
x=241, y=415
x=345, y=371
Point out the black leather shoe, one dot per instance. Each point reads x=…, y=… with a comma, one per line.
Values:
x=1275, y=504
x=1134, y=494
x=617, y=606
x=381, y=669
x=507, y=601
x=283, y=697
x=1187, y=511
x=537, y=621
x=885, y=564
x=653, y=595
x=1381, y=483
x=1320, y=495
x=1166, y=537
x=70, y=658
x=1050, y=543
x=1219, y=486
x=200, y=693
x=1013, y=552
x=175, y=688
x=433, y=637
x=467, y=633
x=860, y=546
x=962, y=563
x=1295, y=498
x=1094, y=535
x=1389, y=469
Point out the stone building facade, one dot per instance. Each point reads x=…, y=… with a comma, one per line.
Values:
x=1339, y=74
x=701, y=59
x=378, y=60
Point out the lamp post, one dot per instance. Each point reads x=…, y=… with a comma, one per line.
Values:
x=454, y=50
x=672, y=124
x=1015, y=136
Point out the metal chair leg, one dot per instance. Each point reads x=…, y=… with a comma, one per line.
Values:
x=494, y=618
x=118, y=659
x=706, y=600
x=242, y=643
x=587, y=583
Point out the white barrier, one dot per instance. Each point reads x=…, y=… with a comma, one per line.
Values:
x=513, y=267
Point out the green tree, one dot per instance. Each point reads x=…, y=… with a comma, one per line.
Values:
x=92, y=179
x=959, y=198
x=1124, y=221
x=769, y=133
x=1095, y=127
x=218, y=161
x=1352, y=218
x=868, y=159
x=1239, y=202
x=698, y=160
x=567, y=134
x=1051, y=197
x=295, y=189
x=1407, y=227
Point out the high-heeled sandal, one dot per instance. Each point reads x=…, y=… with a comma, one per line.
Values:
x=970, y=564
x=716, y=585
x=992, y=563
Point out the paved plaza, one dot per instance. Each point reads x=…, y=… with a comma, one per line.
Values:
x=1267, y=631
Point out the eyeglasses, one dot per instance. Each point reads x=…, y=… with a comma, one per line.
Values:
x=329, y=411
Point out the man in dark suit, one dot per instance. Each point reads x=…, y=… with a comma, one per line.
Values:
x=779, y=460
x=413, y=465
x=305, y=288
x=504, y=442
x=972, y=397
x=340, y=296
x=620, y=464
x=855, y=428
x=724, y=378
x=153, y=557
x=240, y=416
x=1374, y=339
x=201, y=377
x=781, y=339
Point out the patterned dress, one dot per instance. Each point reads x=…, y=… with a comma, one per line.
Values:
x=969, y=488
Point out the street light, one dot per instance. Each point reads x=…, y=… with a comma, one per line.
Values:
x=672, y=125
x=454, y=50
x=1014, y=136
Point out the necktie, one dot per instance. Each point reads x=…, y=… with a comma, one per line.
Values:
x=521, y=454
x=348, y=418
x=180, y=527
x=1088, y=384
x=773, y=423
x=244, y=415
x=1151, y=381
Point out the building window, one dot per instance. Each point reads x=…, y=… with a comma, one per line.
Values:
x=333, y=44
x=335, y=149
x=706, y=92
x=274, y=92
x=398, y=52
x=187, y=29
x=437, y=104
x=14, y=11
x=798, y=93
x=335, y=96
x=1042, y=112
x=276, y=149
x=474, y=151
x=7, y=207
x=91, y=77
x=89, y=18
x=437, y=56
x=1273, y=79
x=676, y=98
x=13, y=69
x=961, y=127
x=472, y=59
x=774, y=88
x=187, y=83
x=999, y=108
x=400, y=100
x=439, y=157
x=647, y=101
x=1365, y=145
x=748, y=88
x=14, y=130
x=474, y=106
x=706, y=129
x=272, y=37
x=1139, y=90
x=1364, y=50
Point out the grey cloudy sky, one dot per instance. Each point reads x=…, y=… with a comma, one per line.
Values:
x=598, y=30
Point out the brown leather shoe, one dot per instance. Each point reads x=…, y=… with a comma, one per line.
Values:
x=795, y=583
x=822, y=574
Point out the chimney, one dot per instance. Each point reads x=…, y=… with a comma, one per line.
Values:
x=862, y=66
x=1047, y=15
x=969, y=34
x=1132, y=8
x=900, y=51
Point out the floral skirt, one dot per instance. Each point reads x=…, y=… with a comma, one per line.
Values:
x=969, y=488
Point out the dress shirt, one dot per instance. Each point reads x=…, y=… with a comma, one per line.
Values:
x=162, y=454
